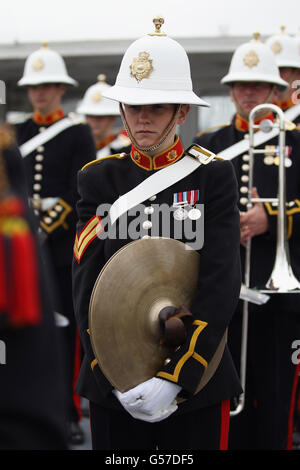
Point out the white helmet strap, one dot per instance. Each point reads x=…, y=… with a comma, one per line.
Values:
x=164, y=134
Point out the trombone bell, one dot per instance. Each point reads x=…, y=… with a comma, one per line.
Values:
x=282, y=279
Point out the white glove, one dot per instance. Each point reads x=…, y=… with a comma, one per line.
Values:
x=159, y=416
x=149, y=397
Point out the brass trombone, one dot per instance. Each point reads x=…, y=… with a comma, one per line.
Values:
x=282, y=278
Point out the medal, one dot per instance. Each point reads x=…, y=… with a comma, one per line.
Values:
x=180, y=214
x=269, y=160
x=194, y=214
x=288, y=162
x=184, y=199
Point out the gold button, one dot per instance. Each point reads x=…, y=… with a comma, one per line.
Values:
x=243, y=201
x=149, y=210
x=147, y=225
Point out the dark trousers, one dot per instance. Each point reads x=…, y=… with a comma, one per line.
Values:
x=271, y=379
x=205, y=429
x=67, y=336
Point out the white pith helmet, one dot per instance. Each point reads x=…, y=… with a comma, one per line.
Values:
x=93, y=102
x=285, y=49
x=45, y=66
x=253, y=61
x=154, y=69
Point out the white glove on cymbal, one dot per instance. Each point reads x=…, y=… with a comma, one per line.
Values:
x=158, y=416
x=149, y=397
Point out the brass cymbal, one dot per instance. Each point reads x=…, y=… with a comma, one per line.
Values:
x=135, y=284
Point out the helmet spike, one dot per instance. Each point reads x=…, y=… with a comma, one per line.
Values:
x=101, y=78
x=158, y=22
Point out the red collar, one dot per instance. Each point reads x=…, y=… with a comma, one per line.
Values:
x=165, y=158
x=241, y=124
x=50, y=118
x=286, y=104
x=104, y=142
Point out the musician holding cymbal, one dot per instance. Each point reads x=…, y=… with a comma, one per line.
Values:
x=154, y=295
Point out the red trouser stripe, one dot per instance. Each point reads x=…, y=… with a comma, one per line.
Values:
x=77, y=363
x=289, y=444
x=225, y=417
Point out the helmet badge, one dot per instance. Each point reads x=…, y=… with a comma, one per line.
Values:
x=251, y=59
x=276, y=47
x=97, y=97
x=38, y=64
x=141, y=66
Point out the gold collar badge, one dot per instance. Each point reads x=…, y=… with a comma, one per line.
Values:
x=171, y=155
x=251, y=59
x=137, y=157
x=141, y=66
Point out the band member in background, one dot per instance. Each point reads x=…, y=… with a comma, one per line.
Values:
x=266, y=421
x=101, y=114
x=32, y=405
x=54, y=148
x=148, y=416
x=286, y=52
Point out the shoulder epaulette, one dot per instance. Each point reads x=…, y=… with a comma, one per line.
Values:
x=289, y=125
x=201, y=154
x=116, y=155
x=77, y=118
x=18, y=118
x=213, y=128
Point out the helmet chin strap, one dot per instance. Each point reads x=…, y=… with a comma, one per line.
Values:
x=164, y=134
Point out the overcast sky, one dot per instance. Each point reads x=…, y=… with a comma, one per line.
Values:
x=60, y=20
